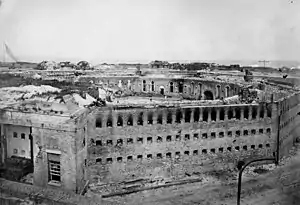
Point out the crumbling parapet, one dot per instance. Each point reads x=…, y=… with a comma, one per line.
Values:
x=248, y=96
x=248, y=76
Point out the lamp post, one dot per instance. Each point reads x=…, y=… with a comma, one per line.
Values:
x=241, y=169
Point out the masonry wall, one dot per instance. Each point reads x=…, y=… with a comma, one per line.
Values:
x=58, y=142
x=191, y=88
x=2, y=149
x=17, y=141
x=54, y=134
x=205, y=139
x=81, y=151
x=289, y=111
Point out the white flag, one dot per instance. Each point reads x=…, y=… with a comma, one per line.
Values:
x=9, y=52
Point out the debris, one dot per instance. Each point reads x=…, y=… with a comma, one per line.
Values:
x=248, y=76
x=247, y=96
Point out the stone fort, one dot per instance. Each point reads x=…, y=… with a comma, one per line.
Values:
x=157, y=127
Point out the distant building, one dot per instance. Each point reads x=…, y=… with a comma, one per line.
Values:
x=159, y=64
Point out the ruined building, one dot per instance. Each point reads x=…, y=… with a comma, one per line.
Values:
x=185, y=128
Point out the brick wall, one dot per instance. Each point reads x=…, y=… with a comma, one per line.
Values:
x=191, y=88
x=51, y=134
x=206, y=138
x=289, y=111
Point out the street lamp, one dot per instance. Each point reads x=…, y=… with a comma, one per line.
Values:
x=241, y=167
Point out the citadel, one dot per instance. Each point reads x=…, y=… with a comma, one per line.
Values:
x=118, y=125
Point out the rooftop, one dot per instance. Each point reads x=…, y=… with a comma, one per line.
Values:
x=65, y=98
x=43, y=100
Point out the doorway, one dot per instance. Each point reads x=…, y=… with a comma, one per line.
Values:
x=162, y=90
x=31, y=146
x=180, y=86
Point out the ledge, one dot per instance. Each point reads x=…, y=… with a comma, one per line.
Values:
x=53, y=151
x=54, y=183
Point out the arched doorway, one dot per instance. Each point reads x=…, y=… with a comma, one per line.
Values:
x=152, y=86
x=162, y=90
x=180, y=87
x=208, y=95
x=192, y=88
x=226, y=91
x=200, y=91
x=171, y=87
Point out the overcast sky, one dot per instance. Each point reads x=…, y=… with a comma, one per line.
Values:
x=144, y=30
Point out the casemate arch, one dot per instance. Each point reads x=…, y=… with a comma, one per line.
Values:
x=162, y=90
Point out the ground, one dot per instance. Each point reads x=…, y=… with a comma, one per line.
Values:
x=266, y=188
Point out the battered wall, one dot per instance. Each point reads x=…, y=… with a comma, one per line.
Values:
x=115, y=153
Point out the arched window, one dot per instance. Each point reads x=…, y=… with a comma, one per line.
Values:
x=120, y=83
x=150, y=118
x=144, y=85
x=98, y=122
x=140, y=119
x=226, y=91
x=180, y=87
x=129, y=84
x=130, y=120
x=178, y=116
x=152, y=86
x=192, y=88
x=169, y=118
x=109, y=122
x=171, y=87
x=200, y=91
x=218, y=89
x=120, y=121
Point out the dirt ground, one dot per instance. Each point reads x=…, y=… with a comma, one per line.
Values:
x=267, y=188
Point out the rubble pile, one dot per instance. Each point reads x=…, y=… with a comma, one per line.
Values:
x=248, y=76
x=277, y=92
x=248, y=95
x=11, y=94
x=231, y=100
x=253, y=170
x=292, y=153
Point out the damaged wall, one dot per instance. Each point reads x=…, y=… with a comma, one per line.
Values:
x=206, y=138
x=57, y=142
x=51, y=134
x=289, y=111
x=18, y=142
x=188, y=88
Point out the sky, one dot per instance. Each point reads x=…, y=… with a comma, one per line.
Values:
x=146, y=30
